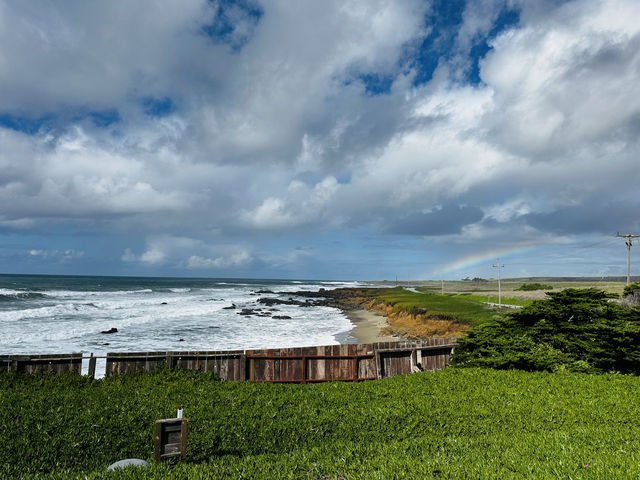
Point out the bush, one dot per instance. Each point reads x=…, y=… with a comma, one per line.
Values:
x=631, y=289
x=528, y=287
x=575, y=330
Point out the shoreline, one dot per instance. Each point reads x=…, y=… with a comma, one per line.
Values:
x=366, y=326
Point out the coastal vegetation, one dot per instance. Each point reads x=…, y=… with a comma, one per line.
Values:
x=455, y=423
x=419, y=313
x=575, y=329
x=631, y=295
x=429, y=310
x=528, y=287
x=537, y=412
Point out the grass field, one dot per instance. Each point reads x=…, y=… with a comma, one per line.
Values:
x=455, y=423
x=459, y=296
x=464, y=308
x=509, y=287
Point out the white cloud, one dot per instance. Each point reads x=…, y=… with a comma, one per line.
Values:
x=568, y=80
x=280, y=136
x=189, y=253
x=236, y=259
x=62, y=256
x=302, y=205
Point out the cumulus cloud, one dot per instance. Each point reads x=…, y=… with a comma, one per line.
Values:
x=177, y=252
x=302, y=205
x=56, y=255
x=206, y=129
x=236, y=259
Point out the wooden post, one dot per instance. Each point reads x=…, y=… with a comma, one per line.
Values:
x=304, y=369
x=355, y=369
x=243, y=368
x=92, y=366
x=183, y=440
x=379, y=369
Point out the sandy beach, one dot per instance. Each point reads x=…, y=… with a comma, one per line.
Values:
x=367, y=326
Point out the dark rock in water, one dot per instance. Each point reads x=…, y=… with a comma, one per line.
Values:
x=181, y=340
x=105, y=344
x=277, y=301
x=164, y=303
x=230, y=307
x=111, y=330
x=264, y=291
x=247, y=311
x=129, y=462
x=281, y=317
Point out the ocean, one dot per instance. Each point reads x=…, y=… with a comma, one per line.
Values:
x=42, y=314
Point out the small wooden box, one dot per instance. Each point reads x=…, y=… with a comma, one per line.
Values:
x=171, y=439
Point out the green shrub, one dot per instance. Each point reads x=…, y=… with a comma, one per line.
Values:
x=631, y=289
x=576, y=329
x=527, y=287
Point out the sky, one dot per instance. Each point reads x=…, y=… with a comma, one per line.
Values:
x=351, y=140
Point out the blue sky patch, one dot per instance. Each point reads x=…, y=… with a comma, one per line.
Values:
x=506, y=19
x=27, y=125
x=158, y=107
x=104, y=118
x=443, y=19
x=377, y=84
x=33, y=125
x=229, y=14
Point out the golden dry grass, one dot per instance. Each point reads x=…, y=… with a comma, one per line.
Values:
x=423, y=326
x=416, y=326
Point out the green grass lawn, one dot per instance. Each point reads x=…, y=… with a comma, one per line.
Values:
x=455, y=423
x=504, y=301
x=465, y=308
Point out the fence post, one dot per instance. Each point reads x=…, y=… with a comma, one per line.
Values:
x=378, y=358
x=243, y=367
x=355, y=369
x=304, y=369
x=92, y=366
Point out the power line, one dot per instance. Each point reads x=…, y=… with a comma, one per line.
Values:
x=628, y=243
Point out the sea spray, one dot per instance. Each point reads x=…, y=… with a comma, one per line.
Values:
x=59, y=314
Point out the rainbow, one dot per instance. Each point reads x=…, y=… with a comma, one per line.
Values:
x=487, y=255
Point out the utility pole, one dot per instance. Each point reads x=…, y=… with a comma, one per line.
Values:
x=442, y=285
x=628, y=236
x=498, y=266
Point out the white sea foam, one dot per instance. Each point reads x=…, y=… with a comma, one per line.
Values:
x=9, y=291
x=93, y=293
x=162, y=319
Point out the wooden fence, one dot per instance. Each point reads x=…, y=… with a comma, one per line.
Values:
x=57, y=363
x=294, y=365
x=229, y=365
